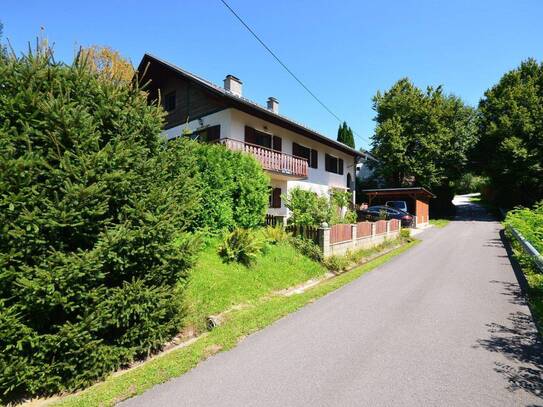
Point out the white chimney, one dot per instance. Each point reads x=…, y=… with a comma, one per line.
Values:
x=273, y=104
x=233, y=84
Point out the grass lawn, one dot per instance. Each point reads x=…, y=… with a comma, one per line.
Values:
x=439, y=223
x=240, y=323
x=215, y=286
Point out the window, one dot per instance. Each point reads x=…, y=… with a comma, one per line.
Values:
x=169, y=101
x=333, y=164
x=275, y=198
x=208, y=135
x=312, y=156
x=259, y=138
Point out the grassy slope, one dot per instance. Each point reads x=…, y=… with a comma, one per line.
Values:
x=215, y=286
x=240, y=324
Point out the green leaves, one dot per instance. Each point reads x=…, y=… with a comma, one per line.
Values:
x=94, y=213
x=421, y=137
x=241, y=245
x=345, y=135
x=510, y=150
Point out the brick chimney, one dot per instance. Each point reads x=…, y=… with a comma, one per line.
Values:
x=233, y=84
x=273, y=104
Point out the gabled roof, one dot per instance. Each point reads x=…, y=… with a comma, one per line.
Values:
x=251, y=107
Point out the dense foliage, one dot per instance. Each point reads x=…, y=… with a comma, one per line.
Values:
x=529, y=222
x=510, y=150
x=307, y=247
x=234, y=189
x=92, y=213
x=276, y=234
x=422, y=137
x=345, y=135
x=108, y=62
x=309, y=209
x=241, y=246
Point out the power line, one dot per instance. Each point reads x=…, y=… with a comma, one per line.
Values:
x=286, y=67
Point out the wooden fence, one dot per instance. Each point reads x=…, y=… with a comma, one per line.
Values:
x=380, y=227
x=307, y=232
x=363, y=229
x=340, y=233
x=271, y=220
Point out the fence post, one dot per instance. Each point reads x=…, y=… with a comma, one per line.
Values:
x=353, y=235
x=388, y=227
x=324, y=239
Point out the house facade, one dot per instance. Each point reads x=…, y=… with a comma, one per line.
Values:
x=292, y=154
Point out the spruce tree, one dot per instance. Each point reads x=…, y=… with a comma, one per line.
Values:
x=345, y=135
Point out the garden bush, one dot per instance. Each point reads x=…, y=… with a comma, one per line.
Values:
x=336, y=264
x=276, y=234
x=309, y=209
x=92, y=213
x=307, y=247
x=234, y=189
x=241, y=246
x=529, y=222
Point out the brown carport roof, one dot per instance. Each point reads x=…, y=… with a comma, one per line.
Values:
x=399, y=191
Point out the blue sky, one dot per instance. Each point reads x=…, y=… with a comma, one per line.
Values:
x=343, y=50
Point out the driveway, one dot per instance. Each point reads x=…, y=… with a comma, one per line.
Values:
x=444, y=324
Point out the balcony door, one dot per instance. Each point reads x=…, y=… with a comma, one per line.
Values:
x=259, y=138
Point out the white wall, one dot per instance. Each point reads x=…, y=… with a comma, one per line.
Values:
x=221, y=118
x=319, y=180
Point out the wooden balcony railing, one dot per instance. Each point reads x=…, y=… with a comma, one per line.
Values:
x=271, y=160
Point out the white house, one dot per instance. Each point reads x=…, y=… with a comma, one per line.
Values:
x=291, y=153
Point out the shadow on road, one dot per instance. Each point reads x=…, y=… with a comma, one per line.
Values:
x=468, y=211
x=517, y=340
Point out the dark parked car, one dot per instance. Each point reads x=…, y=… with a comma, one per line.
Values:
x=374, y=213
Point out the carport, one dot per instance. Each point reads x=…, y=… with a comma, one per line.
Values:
x=417, y=198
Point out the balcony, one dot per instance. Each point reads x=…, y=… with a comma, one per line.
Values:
x=274, y=161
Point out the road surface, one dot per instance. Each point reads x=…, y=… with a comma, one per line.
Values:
x=444, y=324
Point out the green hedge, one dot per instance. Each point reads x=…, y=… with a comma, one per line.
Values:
x=529, y=222
x=92, y=209
x=234, y=189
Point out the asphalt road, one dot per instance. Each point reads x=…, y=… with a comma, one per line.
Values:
x=444, y=324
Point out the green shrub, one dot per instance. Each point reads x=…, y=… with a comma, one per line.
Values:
x=529, y=222
x=91, y=221
x=241, y=246
x=275, y=235
x=309, y=209
x=337, y=264
x=405, y=234
x=234, y=189
x=350, y=217
x=307, y=247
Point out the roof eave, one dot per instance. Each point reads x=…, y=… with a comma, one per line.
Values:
x=230, y=97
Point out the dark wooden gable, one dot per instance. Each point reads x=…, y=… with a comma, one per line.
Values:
x=191, y=100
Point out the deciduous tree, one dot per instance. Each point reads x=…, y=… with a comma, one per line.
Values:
x=510, y=148
x=108, y=62
x=422, y=137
